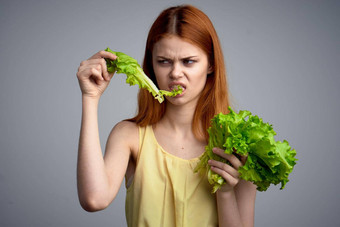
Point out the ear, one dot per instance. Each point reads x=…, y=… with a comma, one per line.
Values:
x=210, y=69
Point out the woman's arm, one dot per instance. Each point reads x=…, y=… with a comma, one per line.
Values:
x=98, y=179
x=91, y=172
x=235, y=199
x=237, y=207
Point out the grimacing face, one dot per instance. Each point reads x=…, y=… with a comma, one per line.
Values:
x=178, y=62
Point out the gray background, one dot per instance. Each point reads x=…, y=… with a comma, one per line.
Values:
x=283, y=64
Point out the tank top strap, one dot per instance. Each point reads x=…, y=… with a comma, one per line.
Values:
x=147, y=145
x=142, y=132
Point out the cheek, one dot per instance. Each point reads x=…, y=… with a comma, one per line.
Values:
x=158, y=71
x=201, y=78
x=203, y=82
x=160, y=74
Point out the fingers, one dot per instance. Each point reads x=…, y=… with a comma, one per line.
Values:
x=91, y=68
x=228, y=171
x=87, y=72
x=97, y=62
x=104, y=54
x=235, y=162
x=224, y=168
x=230, y=178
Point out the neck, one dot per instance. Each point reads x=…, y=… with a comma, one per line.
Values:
x=178, y=118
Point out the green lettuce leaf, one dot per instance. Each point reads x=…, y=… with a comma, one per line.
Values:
x=136, y=76
x=269, y=161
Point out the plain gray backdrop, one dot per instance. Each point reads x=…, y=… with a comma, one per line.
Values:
x=282, y=61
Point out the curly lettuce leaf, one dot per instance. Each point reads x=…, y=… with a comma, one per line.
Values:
x=269, y=161
x=136, y=76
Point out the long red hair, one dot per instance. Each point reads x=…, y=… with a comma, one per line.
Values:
x=192, y=25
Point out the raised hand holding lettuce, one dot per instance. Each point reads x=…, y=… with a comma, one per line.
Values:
x=136, y=76
x=268, y=162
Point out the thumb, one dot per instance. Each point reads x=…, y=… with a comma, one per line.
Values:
x=244, y=159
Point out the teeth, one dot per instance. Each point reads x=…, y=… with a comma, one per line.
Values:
x=176, y=87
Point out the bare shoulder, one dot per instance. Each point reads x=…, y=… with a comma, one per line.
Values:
x=125, y=133
x=126, y=127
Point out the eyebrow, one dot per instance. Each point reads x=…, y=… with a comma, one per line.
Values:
x=188, y=57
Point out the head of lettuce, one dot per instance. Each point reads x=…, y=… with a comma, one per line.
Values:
x=268, y=161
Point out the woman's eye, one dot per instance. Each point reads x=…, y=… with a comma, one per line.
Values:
x=188, y=61
x=164, y=62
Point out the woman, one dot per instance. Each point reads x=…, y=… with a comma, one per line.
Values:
x=158, y=149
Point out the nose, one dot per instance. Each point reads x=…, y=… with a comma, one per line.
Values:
x=176, y=71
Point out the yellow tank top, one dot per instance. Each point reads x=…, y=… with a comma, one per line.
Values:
x=165, y=191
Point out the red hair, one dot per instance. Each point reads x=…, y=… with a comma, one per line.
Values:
x=192, y=25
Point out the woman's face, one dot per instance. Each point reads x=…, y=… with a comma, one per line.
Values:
x=177, y=62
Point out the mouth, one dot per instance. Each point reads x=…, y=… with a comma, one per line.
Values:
x=176, y=86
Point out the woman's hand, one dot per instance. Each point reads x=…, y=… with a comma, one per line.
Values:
x=93, y=76
x=228, y=172
x=236, y=198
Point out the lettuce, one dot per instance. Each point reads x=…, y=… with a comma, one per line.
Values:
x=136, y=76
x=269, y=161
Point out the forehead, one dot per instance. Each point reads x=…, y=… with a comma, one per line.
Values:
x=173, y=46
